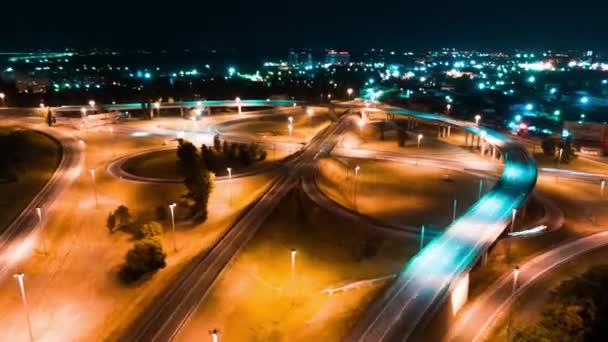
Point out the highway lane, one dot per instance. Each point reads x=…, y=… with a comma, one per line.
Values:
x=474, y=323
x=162, y=321
x=426, y=280
x=21, y=235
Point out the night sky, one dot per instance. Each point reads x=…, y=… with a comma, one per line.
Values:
x=274, y=25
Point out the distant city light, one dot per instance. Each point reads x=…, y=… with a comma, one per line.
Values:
x=531, y=79
x=584, y=100
x=231, y=71
x=553, y=91
x=529, y=106
x=481, y=86
x=556, y=112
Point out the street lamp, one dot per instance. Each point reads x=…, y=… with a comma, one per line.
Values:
x=357, y=168
x=513, y=290
x=83, y=110
x=559, y=157
x=172, y=209
x=349, y=91
x=214, y=335
x=290, y=128
x=477, y=118
x=92, y=103
x=290, y=119
x=513, y=213
x=92, y=171
x=39, y=214
x=20, y=277
x=230, y=183
x=602, y=188
x=484, y=134
x=361, y=123
x=238, y=103
x=293, y=262
x=419, y=139
x=157, y=106
x=310, y=112
x=2, y=98
x=448, y=107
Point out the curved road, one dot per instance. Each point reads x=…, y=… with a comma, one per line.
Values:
x=25, y=226
x=426, y=280
x=472, y=324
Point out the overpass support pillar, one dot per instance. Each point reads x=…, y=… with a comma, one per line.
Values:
x=460, y=293
x=467, y=138
x=181, y=112
x=484, y=259
x=449, y=131
x=493, y=152
x=478, y=140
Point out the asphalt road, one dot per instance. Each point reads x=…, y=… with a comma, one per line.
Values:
x=426, y=280
x=162, y=321
x=26, y=225
x=472, y=324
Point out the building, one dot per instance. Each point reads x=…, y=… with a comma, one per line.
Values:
x=335, y=57
x=300, y=58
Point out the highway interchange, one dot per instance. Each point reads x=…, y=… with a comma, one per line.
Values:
x=425, y=281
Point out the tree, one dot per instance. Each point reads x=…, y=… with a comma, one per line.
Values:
x=548, y=145
x=111, y=222
x=226, y=148
x=217, y=144
x=49, y=118
x=401, y=137
x=122, y=216
x=577, y=310
x=150, y=229
x=198, y=180
x=146, y=256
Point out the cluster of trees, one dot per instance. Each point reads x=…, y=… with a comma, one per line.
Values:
x=50, y=118
x=197, y=179
x=146, y=255
x=577, y=310
x=244, y=153
x=552, y=145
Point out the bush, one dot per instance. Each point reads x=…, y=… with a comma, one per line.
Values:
x=150, y=229
x=146, y=256
x=577, y=310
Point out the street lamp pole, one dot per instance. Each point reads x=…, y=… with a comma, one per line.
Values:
x=602, y=188
x=214, y=335
x=454, y=206
x=513, y=214
x=39, y=214
x=477, y=119
x=2, y=98
x=238, y=103
x=419, y=139
x=357, y=168
x=422, y=237
x=293, y=263
x=480, y=188
x=92, y=171
x=230, y=183
x=172, y=209
x=513, y=290
x=20, y=277
x=310, y=112
x=559, y=157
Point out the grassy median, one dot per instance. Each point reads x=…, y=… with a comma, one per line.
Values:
x=32, y=157
x=257, y=297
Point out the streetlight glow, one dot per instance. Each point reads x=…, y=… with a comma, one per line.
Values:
x=172, y=209
x=20, y=277
x=419, y=139
x=477, y=118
